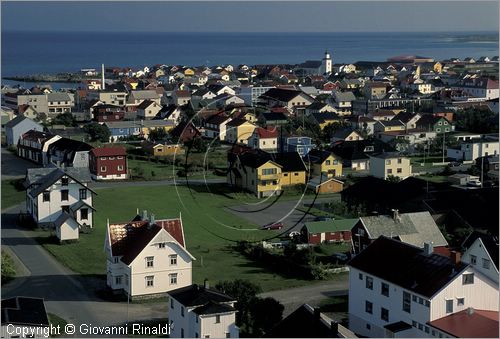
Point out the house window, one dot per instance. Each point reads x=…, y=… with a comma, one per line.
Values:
x=433, y=332
x=161, y=245
x=384, y=314
x=399, y=170
x=149, y=261
x=296, y=174
x=126, y=280
x=368, y=307
x=182, y=333
x=460, y=301
x=228, y=335
x=327, y=162
x=64, y=195
x=103, y=168
x=103, y=158
x=173, y=278
x=473, y=259
x=120, y=167
x=369, y=283
x=486, y=264
x=414, y=323
x=468, y=279
x=115, y=260
x=385, y=289
x=361, y=276
x=171, y=303
x=111, y=158
x=118, y=280
x=400, y=161
x=449, y=306
x=119, y=157
x=173, y=259
x=406, y=302
x=182, y=310
x=64, y=181
x=46, y=196
x=83, y=193
x=217, y=319
x=150, y=280
x=84, y=214
x=426, y=329
x=388, y=162
x=389, y=171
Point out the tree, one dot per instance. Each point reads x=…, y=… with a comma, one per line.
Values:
x=66, y=119
x=157, y=134
x=265, y=313
x=393, y=178
x=476, y=120
x=97, y=132
x=244, y=292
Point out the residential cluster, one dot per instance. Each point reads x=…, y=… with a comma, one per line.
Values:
x=369, y=130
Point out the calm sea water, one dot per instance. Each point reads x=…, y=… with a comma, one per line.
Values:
x=25, y=53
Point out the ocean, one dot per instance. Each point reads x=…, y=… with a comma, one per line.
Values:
x=26, y=53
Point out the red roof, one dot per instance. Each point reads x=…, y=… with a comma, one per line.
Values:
x=267, y=133
x=479, y=324
x=108, y=151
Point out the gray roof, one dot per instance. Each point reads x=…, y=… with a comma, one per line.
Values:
x=45, y=177
x=145, y=94
x=344, y=96
x=412, y=228
x=61, y=219
x=15, y=121
x=121, y=124
x=58, y=96
x=79, y=204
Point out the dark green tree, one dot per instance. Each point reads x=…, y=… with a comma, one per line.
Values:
x=265, y=313
x=67, y=119
x=97, y=132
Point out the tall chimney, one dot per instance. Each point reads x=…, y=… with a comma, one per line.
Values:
x=470, y=311
x=144, y=215
x=395, y=215
x=334, y=328
x=152, y=219
x=206, y=285
x=103, y=85
x=428, y=248
x=455, y=257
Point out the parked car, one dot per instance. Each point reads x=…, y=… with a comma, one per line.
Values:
x=273, y=226
x=340, y=257
x=474, y=183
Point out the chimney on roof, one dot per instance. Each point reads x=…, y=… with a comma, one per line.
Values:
x=152, y=219
x=317, y=313
x=206, y=285
x=470, y=311
x=428, y=248
x=455, y=257
x=103, y=85
x=395, y=215
x=144, y=215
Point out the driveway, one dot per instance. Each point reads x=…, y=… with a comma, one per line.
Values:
x=272, y=210
x=313, y=295
x=66, y=293
x=14, y=167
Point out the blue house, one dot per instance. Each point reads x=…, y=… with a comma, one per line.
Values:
x=123, y=129
x=301, y=145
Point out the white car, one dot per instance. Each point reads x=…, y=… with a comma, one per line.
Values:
x=474, y=183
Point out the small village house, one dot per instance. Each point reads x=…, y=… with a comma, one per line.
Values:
x=385, y=164
x=108, y=163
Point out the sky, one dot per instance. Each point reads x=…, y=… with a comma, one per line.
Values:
x=256, y=16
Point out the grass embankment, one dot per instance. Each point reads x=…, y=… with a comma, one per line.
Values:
x=8, y=268
x=209, y=232
x=13, y=193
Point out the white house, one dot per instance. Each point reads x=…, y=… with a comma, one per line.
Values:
x=385, y=164
x=265, y=139
x=473, y=149
x=201, y=312
x=52, y=191
x=147, y=257
x=481, y=252
x=396, y=290
x=18, y=126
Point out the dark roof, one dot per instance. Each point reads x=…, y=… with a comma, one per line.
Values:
x=281, y=94
x=479, y=324
x=108, y=151
x=45, y=180
x=24, y=311
x=213, y=308
x=343, y=133
x=407, y=266
x=198, y=295
x=325, y=117
x=145, y=104
x=357, y=149
x=317, y=156
x=290, y=161
x=393, y=122
x=429, y=119
x=404, y=116
x=302, y=323
x=398, y=326
x=254, y=159
x=15, y=121
x=66, y=144
x=273, y=116
x=490, y=243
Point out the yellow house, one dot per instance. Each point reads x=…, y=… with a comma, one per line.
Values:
x=256, y=173
x=188, y=72
x=238, y=131
x=438, y=67
x=383, y=165
x=294, y=171
x=163, y=149
x=324, y=119
x=323, y=163
x=149, y=125
x=388, y=126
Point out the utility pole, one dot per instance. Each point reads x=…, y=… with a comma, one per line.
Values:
x=482, y=165
x=444, y=136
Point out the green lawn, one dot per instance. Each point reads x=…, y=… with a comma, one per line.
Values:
x=12, y=193
x=434, y=178
x=209, y=232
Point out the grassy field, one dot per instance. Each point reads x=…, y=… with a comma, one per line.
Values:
x=209, y=232
x=434, y=178
x=12, y=193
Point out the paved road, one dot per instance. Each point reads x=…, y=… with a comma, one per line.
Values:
x=14, y=167
x=66, y=294
x=271, y=211
x=103, y=184
x=312, y=295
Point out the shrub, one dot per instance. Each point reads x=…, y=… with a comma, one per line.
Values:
x=8, y=269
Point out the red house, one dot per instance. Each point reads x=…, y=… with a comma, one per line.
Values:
x=108, y=163
x=328, y=231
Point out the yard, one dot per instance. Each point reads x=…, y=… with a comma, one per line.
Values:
x=209, y=232
x=12, y=193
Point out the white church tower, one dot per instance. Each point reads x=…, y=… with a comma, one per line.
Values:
x=326, y=64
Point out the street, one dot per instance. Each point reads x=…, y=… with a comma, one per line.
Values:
x=14, y=167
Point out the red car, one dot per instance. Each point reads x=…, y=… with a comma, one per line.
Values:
x=273, y=226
